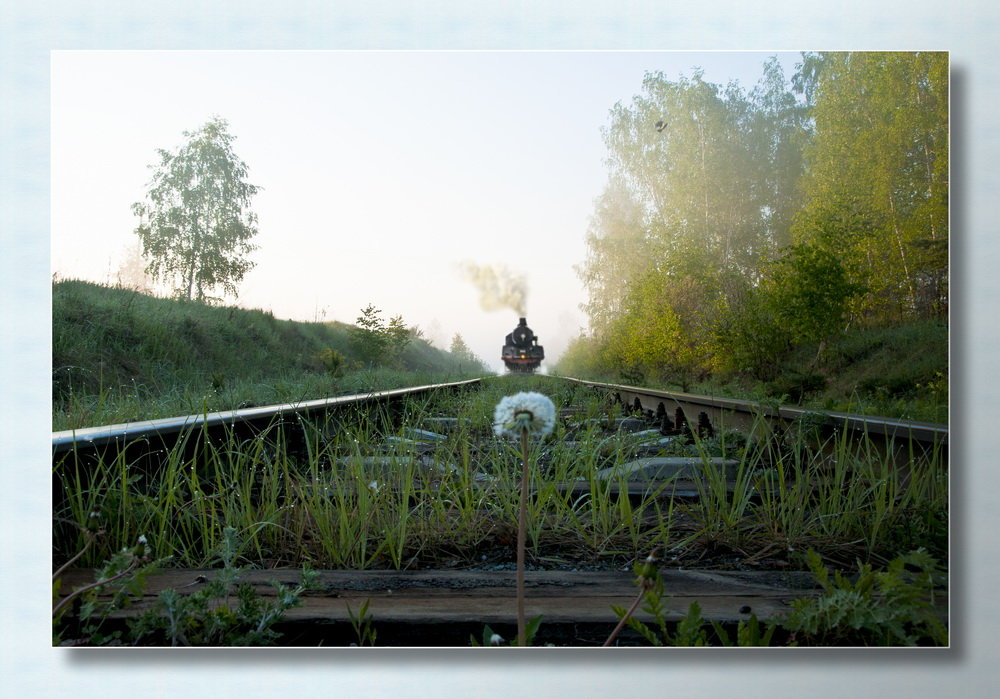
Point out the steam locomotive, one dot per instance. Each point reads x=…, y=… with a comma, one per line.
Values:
x=521, y=352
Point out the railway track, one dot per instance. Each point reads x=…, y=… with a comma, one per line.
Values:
x=675, y=412
x=165, y=432
x=741, y=413
x=433, y=598
x=671, y=412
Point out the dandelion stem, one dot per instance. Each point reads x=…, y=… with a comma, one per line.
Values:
x=90, y=539
x=522, y=526
x=625, y=617
x=76, y=593
x=647, y=573
x=522, y=415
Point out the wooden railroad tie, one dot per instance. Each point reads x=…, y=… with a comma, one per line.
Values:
x=476, y=596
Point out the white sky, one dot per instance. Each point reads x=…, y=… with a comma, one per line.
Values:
x=381, y=171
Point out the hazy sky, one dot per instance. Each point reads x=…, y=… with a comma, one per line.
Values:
x=381, y=172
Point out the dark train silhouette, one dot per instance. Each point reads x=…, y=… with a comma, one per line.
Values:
x=521, y=352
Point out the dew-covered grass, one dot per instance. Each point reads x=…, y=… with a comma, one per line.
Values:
x=338, y=502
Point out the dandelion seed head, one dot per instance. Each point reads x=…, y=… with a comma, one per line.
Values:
x=533, y=413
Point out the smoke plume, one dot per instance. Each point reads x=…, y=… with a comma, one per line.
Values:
x=498, y=287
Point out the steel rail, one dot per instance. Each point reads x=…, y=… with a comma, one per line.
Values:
x=924, y=432
x=67, y=440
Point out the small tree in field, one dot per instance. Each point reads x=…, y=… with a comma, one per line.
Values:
x=470, y=360
x=196, y=224
x=399, y=337
x=459, y=348
x=374, y=342
x=369, y=339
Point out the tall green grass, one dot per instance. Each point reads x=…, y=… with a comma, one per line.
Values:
x=331, y=508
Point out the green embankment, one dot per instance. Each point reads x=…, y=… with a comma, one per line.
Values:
x=895, y=371
x=119, y=355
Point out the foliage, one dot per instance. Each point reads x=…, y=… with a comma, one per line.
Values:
x=890, y=607
x=369, y=338
x=335, y=363
x=748, y=633
x=618, y=251
x=207, y=616
x=689, y=630
x=132, y=273
x=650, y=337
x=492, y=638
x=738, y=226
x=458, y=346
x=749, y=338
x=700, y=196
x=876, y=187
x=582, y=358
x=125, y=572
x=399, y=337
x=363, y=624
x=204, y=617
x=810, y=293
x=196, y=224
x=374, y=342
x=465, y=355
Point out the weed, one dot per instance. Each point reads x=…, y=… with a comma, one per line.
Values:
x=827, y=493
x=124, y=572
x=358, y=494
x=748, y=633
x=890, y=607
x=688, y=632
x=363, y=624
x=204, y=617
x=207, y=617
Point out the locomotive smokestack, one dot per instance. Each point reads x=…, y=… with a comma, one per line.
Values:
x=524, y=321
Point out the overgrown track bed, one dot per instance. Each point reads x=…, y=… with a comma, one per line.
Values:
x=415, y=483
x=671, y=412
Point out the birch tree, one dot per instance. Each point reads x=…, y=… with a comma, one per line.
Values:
x=876, y=189
x=196, y=224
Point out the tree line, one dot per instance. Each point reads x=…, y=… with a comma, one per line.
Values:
x=738, y=223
